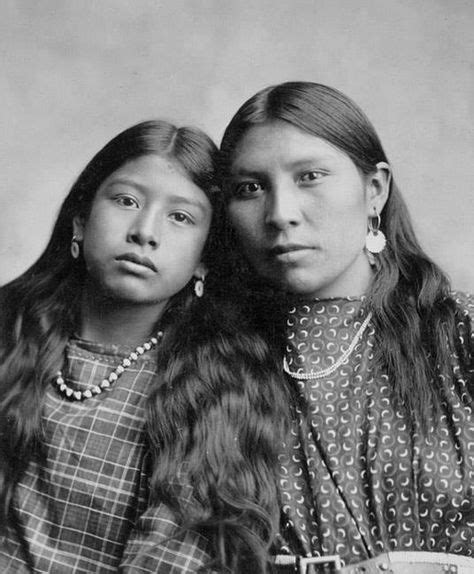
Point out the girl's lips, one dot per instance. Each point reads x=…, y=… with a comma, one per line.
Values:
x=134, y=258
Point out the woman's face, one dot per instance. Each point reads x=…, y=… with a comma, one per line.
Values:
x=300, y=206
x=145, y=233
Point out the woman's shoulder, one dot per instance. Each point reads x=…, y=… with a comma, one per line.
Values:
x=464, y=302
x=464, y=320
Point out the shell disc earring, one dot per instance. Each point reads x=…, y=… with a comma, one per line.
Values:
x=375, y=241
x=75, y=249
x=199, y=287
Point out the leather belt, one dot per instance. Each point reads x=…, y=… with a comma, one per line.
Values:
x=387, y=563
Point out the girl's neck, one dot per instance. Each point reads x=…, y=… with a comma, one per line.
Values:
x=108, y=321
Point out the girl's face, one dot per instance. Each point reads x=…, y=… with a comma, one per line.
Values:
x=147, y=227
x=300, y=206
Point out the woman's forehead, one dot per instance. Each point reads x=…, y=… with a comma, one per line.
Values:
x=280, y=141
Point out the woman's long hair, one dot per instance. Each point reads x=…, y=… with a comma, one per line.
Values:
x=413, y=314
x=40, y=312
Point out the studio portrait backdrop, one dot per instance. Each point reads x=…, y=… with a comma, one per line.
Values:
x=75, y=73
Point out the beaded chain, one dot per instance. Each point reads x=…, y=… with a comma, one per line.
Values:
x=70, y=393
x=342, y=359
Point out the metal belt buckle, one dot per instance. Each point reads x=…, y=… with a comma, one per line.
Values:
x=304, y=562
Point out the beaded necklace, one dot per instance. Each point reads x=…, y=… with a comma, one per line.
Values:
x=70, y=393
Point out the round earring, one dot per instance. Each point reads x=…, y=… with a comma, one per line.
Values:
x=75, y=249
x=199, y=287
x=375, y=241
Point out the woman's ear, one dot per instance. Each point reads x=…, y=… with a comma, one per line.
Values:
x=378, y=187
x=78, y=227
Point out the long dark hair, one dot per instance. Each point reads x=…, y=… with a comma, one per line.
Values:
x=414, y=315
x=216, y=425
x=39, y=313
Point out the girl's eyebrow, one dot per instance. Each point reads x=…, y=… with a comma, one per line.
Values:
x=172, y=198
x=126, y=181
x=194, y=202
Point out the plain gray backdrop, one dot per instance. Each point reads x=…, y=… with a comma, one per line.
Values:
x=76, y=72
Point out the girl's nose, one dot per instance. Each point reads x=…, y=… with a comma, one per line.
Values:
x=145, y=230
x=282, y=209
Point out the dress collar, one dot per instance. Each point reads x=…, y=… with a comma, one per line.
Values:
x=318, y=331
x=109, y=351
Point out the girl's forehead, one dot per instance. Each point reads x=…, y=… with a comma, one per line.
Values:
x=147, y=163
x=157, y=176
x=151, y=171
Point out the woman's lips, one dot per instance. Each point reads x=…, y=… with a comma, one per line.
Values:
x=289, y=252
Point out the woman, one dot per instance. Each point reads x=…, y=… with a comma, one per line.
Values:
x=122, y=306
x=377, y=348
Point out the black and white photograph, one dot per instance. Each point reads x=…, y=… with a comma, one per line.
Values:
x=237, y=287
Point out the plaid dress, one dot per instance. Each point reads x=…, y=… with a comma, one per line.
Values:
x=84, y=508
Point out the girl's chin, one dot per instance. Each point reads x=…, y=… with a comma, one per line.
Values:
x=125, y=293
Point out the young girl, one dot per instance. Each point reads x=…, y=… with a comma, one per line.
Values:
x=125, y=300
x=377, y=473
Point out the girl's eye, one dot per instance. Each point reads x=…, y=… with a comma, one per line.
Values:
x=126, y=201
x=247, y=189
x=310, y=176
x=181, y=217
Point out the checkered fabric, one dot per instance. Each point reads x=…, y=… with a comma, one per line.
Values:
x=84, y=508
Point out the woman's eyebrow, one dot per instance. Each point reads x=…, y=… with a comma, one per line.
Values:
x=245, y=172
x=307, y=161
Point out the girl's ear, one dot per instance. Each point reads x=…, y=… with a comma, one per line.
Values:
x=201, y=271
x=78, y=228
x=378, y=187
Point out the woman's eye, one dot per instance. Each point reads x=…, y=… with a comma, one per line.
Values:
x=126, y=201
x=247, y=189
x=181, y=217
x=310, y=176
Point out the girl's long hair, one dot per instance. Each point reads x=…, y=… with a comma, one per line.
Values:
x=216, y=424
x=413, y=312
x=40, y=312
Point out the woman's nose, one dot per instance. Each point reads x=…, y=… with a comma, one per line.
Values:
x=146, y=229
x=282, y=209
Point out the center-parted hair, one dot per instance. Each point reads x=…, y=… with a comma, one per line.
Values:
x=217, y=394
x=39, y=310
x=413, y=312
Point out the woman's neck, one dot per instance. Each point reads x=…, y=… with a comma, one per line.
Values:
x=108, y=321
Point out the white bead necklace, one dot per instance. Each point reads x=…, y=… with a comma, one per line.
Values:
x=70, y=393
x=342, y=359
